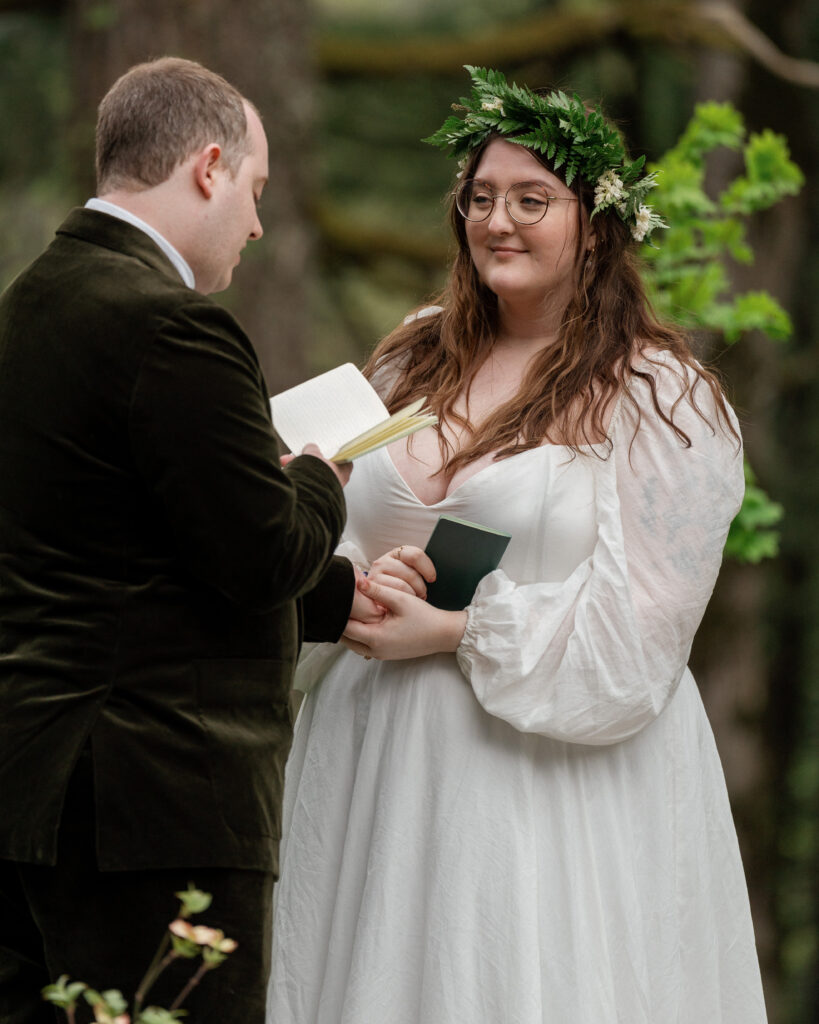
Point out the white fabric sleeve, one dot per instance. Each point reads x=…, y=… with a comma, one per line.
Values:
x=595, y=658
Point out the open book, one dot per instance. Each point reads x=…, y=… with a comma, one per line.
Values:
x=341, y=413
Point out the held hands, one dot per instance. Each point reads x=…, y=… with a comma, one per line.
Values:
x=409, y=627
x=364, y=608
x=405, y=568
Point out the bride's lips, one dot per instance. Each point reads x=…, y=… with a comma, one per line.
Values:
x=503, y=249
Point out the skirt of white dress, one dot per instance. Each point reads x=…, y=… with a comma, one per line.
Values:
x=440, y=867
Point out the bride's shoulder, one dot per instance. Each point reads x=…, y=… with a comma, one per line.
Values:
x=421, y=314
x=390, y=367
x=662, y=364
x=676, y=394
x=666, y=377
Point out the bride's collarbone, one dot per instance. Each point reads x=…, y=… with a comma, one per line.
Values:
x=420, y=460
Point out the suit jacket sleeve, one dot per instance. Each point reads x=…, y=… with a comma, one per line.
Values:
x=328, y=605
x=202, y=438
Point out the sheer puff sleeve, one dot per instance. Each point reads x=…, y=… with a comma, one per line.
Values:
x=595, y=658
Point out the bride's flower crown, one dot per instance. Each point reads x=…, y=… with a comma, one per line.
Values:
x=562, y=129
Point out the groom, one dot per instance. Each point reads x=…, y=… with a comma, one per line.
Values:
x=158, y=568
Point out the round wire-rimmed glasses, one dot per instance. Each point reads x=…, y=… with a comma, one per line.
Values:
x=526, y=201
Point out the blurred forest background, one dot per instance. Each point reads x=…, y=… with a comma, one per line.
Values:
x=355, y=238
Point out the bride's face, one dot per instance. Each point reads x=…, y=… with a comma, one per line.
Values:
x=524, y=263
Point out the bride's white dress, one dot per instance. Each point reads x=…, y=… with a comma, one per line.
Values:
x=537, y=829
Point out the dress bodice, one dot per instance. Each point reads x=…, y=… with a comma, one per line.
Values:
x=543, y=497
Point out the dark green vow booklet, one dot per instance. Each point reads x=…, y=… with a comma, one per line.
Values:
x=462, y=553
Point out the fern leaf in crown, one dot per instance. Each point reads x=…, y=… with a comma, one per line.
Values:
x=572, y=137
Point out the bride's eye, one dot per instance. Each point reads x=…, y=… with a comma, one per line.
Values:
x=481, y=200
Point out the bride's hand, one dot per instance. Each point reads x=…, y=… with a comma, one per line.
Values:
x=405, y=568
x=364, y=609
x=410, y=627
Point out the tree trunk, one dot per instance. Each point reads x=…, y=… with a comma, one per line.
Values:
x=264, y=49
x=748, y=681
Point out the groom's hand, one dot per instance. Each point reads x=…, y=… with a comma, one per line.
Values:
x=342, y=470
x=364, y=608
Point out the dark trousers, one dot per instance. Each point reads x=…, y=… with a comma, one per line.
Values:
x=103, y=928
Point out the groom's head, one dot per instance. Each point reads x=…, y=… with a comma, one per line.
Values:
x=183, y=150
x=159, y=113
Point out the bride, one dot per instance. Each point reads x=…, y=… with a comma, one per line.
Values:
x=516, y=812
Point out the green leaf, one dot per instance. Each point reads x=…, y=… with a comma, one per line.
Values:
x=63, y=993
x=713, y=124
x=726, y=235
x=115, y=1003
x=770, y=175
x=685, y=272
x=184, y=947
x=753, y=311
x=213, y=957
x=156, y=1015
x=193, y=900
x=750, y=538
x=112, y=1000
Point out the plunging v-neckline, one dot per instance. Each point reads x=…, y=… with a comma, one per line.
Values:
x=469, y=479
x=580, y=449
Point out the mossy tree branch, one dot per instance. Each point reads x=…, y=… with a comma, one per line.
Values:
x=345, y=235
x=544, y=34
x=558, y=32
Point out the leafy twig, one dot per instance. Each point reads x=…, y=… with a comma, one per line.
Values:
x=157, y=965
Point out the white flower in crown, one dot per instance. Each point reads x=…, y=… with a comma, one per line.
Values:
x=461, y=167
x=642, y=223
x=496, y=103
x=609, y=189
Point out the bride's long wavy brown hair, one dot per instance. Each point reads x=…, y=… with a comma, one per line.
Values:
x=607, y=330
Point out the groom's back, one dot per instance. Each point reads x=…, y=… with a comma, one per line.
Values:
x=73, y=328
x=103, y=622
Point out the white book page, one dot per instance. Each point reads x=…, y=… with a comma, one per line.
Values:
x=328, y=410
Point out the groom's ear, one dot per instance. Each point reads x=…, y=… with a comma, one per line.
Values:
x=206, y=168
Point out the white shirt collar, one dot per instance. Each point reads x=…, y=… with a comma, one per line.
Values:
x=103, y=206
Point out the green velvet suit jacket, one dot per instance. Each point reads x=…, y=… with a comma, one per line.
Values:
x=155, y=561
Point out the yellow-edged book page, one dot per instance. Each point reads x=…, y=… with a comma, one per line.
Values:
x=340, y=412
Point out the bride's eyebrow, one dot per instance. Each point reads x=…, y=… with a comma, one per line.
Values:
x=523, y=181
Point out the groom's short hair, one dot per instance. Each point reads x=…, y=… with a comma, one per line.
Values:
x=157, y=114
